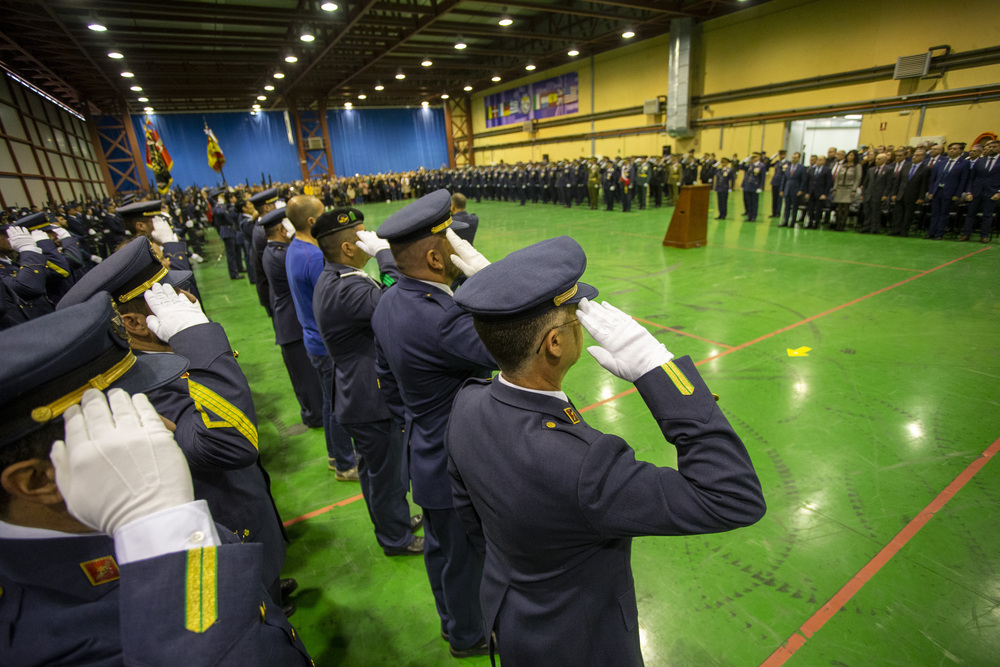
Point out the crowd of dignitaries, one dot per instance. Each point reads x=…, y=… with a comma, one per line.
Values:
x=155, y=495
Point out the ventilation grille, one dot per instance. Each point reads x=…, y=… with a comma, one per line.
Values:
x=314, y=143
x=911, y=67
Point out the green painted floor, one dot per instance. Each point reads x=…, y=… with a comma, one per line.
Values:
x=897, y=396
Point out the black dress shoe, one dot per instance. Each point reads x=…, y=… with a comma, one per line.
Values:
x=416, y=521
x=482, y=648
x=288, y=587
x=288, y=609
x=415, y=548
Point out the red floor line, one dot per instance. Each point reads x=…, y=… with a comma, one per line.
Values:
x=841, y=597
x=323, y=510
x=683, y=333
x=825, y=259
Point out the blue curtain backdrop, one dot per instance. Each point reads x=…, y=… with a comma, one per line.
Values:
x=372, y=141
x=364, y=141
x=251, y=144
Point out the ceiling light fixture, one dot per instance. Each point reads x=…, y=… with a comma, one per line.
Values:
x=505, y=21
x=149, y=112
x=496, y=77
x=137, y=89
x=426, y=62
x=628, y=34
x=348, y=105
x=467, y=88
x=425, y=104
x=291, y=58
x=262, y=97
x=147, y=108
x=116, y=55
x=572, y=53
x=329, y=7
x=256, y=106
x=307, y=34
x=96, y=24
x=268, y=87
x=362, y=96
x=400, y=75
x=460, y=44
x=143, y=99
x=379, y=86
x=530, y=67
x=279, y=75
x=127, y=74
x=444, y=96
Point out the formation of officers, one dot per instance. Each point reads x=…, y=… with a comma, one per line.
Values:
x=132, y=484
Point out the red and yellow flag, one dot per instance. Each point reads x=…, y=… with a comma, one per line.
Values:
x=216, y=160
x=158, y=159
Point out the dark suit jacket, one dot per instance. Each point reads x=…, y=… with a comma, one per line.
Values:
x=912, y=188
x=287, y=328
x=876, y=183
x=952, y=183
x=557, y=504
x=343, y=302
x=983, y=183
x=795, y=179
x=819, y=181
x=425, y=348
x=471, y=219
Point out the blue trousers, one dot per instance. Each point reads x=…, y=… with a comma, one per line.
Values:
x=940, y=208
x=305, y=383
x=233, y=262
x=380, y=469
x=338, y=442
x=791, y=208
x=981, y=204
x=455, y=572
x=751, y=199
x=722, y=203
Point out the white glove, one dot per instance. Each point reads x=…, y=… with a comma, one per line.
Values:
x=289, y=227
x=39, y=235
x=162, y=232
x=21, y=240
x=92, y=232
x=95, y=259
x=61, y=233
x=172, y=312
x=626, y=349
x=468, y=260
x=370, y=243
x=119, y=463
x=189, y=224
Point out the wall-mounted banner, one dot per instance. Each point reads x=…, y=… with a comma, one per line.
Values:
x=557, y=96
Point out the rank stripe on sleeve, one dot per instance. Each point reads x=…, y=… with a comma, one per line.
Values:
x=58, y=269
x=677, y=376
x=200, y=600
x=231, y=415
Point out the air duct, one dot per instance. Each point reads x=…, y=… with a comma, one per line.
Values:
x=679, y=81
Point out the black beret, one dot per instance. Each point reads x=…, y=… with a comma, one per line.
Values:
x=335, y=220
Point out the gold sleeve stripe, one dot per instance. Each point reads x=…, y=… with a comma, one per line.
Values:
x=201, y=599
x=231, y=415
x=58, y=269
x=677, y=376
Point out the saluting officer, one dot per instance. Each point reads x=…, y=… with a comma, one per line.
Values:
x=105, y=555
x=724, y=181
x=344, y=300
x=145, y=218
x=557, y=502
x=425, y=348
x=211, y=405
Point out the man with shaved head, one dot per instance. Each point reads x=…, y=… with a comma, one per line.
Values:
x=304, y=264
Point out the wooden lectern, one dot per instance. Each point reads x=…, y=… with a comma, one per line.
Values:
x=688, y=226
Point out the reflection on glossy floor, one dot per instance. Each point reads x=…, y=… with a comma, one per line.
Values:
x=863, y=374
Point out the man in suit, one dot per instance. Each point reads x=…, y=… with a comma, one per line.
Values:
x=912, y=191
x=459, y=213
x=794, y=187
x=105, y=555
x=425, y=348
x=948, y=181
x=818, y=187
x=344, y=301
x=287, y=329
x=211, y=406
x=897, y=172
x=555, y=503
x=875, y=189
x=983, y=192
x=780, y=170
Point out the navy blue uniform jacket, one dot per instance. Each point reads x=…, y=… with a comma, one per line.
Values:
x=217, y=430
x=425, y=348
x=558, y=503
x=344, y=301
x=287, y=328
x=52, y=614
